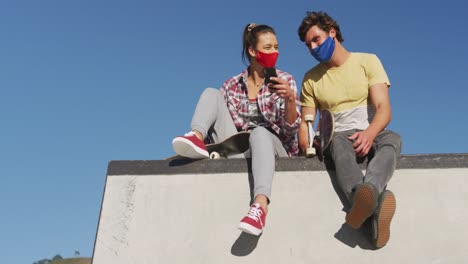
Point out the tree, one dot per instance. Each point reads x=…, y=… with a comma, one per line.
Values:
x=43, y=261
x=48, y=261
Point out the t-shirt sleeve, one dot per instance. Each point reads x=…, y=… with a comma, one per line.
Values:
x=376, y=72
x=307, y=93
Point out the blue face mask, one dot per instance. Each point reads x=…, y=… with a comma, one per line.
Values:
x=324, y=52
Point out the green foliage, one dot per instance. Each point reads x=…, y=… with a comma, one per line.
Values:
x=72, y=261
x=57, y=259
x=43, y=261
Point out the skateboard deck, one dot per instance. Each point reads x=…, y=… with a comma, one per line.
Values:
x=327, y=128
x=235, y=144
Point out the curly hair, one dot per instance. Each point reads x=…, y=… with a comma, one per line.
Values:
x=321, y=20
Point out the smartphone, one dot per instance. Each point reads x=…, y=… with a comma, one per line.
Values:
x=270, y=72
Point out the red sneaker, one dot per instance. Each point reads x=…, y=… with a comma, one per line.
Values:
x=190, y=146
x=254, y=222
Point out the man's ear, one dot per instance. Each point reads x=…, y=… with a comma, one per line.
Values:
x=332, y=32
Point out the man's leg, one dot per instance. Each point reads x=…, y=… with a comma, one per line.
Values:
x=362, y=196
x=387, y=147
x=348, y=172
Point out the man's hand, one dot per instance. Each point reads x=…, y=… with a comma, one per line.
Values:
x=362, y=142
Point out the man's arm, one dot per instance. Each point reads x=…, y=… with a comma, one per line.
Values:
x=383, y=114
x=303, y=136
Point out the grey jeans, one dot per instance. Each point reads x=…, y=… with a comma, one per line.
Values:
x=211, y=117
x=383, y=155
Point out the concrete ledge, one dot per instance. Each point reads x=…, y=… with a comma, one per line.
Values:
x=162, y=212
x=184, y=166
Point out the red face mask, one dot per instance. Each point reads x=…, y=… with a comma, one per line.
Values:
x=267, y=60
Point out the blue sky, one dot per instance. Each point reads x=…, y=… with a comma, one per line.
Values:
x=86, y=82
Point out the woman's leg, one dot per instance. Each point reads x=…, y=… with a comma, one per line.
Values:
x=212, y=115
x=264, y=146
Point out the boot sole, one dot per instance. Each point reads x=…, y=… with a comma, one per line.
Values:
x=384, y=219
x=364, y=204
x=186, y=148
x=244, y=227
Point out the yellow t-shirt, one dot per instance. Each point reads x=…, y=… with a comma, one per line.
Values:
x=345, y=89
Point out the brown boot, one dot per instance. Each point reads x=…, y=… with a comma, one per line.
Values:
x=364, y=205
x=382, y=218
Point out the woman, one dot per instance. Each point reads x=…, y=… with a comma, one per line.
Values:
x=245, y=103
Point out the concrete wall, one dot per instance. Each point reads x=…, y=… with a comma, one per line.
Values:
x=179, y=211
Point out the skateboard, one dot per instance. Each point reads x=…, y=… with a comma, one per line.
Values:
x=235, y=144
x=326, y=129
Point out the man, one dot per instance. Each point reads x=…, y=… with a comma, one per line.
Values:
x=354, y=86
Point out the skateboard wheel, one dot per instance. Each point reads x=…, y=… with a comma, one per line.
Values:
x=309, y=118
x=310, y=152
x=214, y=155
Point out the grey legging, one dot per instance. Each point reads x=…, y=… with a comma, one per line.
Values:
x=212, y=118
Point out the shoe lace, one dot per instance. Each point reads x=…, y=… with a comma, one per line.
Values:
x=255, y=213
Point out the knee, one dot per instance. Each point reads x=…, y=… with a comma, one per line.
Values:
x=258, y=133
x=393, y=140
x=340, y=138
x=341, y=148
x=339, y=141
x=211, y=91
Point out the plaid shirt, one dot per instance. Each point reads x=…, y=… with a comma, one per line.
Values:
x=270, y=105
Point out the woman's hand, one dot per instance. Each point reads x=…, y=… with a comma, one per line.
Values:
x=282, y=89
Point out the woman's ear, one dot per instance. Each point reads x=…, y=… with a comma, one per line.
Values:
x=252, y=52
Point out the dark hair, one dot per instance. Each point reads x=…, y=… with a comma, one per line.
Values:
x=250, y=38
x=321, y=20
